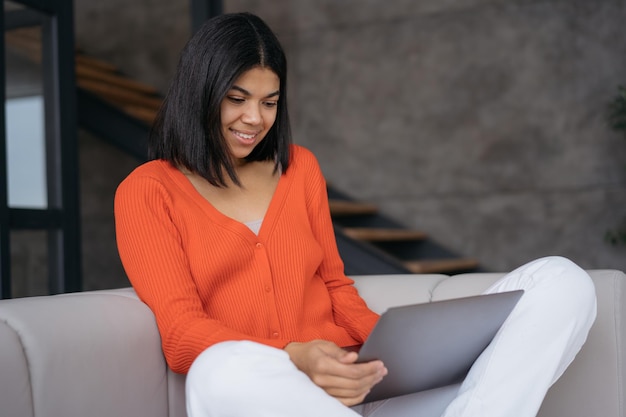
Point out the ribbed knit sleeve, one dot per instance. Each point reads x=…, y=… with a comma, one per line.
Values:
x=151, y=249
x=350, y=310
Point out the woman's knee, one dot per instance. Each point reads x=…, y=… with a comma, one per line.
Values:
x=574, y=281
x=554, y=283
x=566, y=286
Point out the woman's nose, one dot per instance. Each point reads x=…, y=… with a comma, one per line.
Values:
x=251, y=115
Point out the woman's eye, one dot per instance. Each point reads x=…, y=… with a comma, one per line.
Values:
x=236, y=100
x=270, y=104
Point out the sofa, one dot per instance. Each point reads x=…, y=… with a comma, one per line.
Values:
x=98, y=354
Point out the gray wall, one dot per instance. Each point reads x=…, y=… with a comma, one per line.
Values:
x=480, y=122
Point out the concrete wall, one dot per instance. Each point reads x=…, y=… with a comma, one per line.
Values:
x=481, y=122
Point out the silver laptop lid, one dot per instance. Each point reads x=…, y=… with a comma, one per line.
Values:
x=430, y=345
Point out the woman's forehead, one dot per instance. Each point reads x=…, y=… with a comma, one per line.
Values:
x=257, y=81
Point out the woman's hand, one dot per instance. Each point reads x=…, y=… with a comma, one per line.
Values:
x=334, y=370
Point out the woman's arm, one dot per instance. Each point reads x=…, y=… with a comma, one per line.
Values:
x=350, y=310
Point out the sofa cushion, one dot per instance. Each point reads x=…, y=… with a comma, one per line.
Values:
x=383, y=291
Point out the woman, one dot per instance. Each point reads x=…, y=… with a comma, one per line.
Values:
x=226, y=235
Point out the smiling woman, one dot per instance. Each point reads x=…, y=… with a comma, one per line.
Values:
x=226, y=235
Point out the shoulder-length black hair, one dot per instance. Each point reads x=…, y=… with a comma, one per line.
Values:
x=187, y=130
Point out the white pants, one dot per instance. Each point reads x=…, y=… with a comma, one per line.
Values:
x=530, y=352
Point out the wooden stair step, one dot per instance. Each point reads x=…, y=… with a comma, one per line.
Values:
x=119, y=95
x=346, y=208
x=432, y=266
x=89, y=71
x=26, y=47
x=375, y=234
x=31, y=33
x=94, y=63
x=141, y=113
x=92, y=73
x=28, y=40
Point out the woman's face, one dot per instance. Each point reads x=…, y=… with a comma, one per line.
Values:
x=249, y=110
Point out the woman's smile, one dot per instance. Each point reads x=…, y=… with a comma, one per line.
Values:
x=245, y=138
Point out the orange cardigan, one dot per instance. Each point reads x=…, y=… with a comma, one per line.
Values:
x=209, y=278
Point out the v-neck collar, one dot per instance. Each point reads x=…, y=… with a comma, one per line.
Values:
x=271, y=214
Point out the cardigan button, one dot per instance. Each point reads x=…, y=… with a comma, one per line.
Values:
x=275, y=335
x=259, y=245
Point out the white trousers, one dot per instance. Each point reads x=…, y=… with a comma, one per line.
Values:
x=530, y=352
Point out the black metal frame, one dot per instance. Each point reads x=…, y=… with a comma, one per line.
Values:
x=5, y=253
x=61, y=219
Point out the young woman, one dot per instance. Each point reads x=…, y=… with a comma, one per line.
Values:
x=226, y=235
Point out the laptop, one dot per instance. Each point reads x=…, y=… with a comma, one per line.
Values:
x=431, y=345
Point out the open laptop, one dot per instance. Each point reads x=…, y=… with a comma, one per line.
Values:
x=430, y=345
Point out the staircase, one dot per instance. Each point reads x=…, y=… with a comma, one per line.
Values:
x=121, y=110
x=412, y=250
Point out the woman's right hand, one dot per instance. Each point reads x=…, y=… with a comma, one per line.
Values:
x=335, y=370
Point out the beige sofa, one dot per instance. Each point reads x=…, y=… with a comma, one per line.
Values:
x=97, y=354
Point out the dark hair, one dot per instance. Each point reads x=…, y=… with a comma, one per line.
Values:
x=187, y=130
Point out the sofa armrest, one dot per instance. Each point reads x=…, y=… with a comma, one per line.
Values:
x=593, y=385
x=84, y=354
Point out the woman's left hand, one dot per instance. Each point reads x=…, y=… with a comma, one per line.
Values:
x=335, y=370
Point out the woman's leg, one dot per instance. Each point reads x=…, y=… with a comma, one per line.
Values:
x=535, y=345
x=234, y=379
x=533, y=348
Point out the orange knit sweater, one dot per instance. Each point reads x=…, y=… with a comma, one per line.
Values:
x=209, y=278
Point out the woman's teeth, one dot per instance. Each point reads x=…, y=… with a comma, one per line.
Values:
x=244, y=136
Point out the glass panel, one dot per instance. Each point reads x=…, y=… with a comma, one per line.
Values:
x=29, y=263
x=25, y=126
